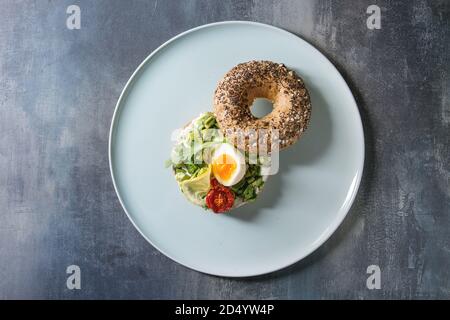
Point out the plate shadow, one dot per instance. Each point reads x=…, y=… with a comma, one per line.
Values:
x=365, y=189
x=310, y=148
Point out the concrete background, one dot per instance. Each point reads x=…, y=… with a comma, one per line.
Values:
x=58, y=89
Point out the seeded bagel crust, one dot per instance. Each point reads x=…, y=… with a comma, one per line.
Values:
x=238, y=89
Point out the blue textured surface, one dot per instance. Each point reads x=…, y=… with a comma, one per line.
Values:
x=58, y=88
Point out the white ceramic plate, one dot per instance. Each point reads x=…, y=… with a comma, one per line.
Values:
x=300, y=207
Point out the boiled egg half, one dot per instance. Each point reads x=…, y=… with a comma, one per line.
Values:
x=228, y=164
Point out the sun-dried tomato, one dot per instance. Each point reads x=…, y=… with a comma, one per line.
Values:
x=220, y=198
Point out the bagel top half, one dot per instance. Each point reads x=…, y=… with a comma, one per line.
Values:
x=247, y=81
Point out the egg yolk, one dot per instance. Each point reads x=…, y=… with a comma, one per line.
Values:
x=224, y=166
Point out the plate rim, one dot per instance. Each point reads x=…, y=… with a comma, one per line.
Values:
x=345, y=209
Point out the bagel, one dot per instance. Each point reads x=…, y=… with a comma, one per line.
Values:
x=203, y=179
x=247, y=81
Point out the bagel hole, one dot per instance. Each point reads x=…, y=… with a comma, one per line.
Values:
x=261, y=107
